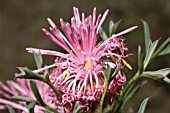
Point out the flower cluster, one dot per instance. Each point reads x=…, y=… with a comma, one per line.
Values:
x=78, y=74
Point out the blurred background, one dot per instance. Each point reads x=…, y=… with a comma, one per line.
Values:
x=21, y=22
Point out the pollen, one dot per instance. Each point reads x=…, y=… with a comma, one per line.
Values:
x=65, y=72
x=81, y=65
x=88, y=62
x=50, y=104
x=99, y=44
x=78, y=47
x=127, y=65
x=70, y=54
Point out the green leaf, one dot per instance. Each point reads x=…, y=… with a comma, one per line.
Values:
x=21, y=98
x=149, y=52
x=102, y=34
x=30, y=75
x=147, y=34
x=22, y=69
x=133, y=92
x=34, y=88
x=113, y=27
x=77, y=107
x=115, y=73
x=45, y=111
x=164, y=49
x=140, y=60
x=31, y=106
x=158, y=75
x=107, y=73
x=38, y=60
x=11, y=110
x=143, y=106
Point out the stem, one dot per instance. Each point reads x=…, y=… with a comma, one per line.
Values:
x=112, y=106
x=50, y=109
x=103, y=97
x=107, y=76
x=54, y=88
x=126, y=91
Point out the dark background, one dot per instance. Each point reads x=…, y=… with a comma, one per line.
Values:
x=21, y=22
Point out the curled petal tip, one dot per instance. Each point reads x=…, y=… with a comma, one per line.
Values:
x=43, y=29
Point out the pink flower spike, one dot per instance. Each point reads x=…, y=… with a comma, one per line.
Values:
x=77, y=74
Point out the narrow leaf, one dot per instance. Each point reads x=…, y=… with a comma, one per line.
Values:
x=113, y=27
x=102, y=34
x=140, y=60
x=22, y=69
x=134, y=91
x=107, y=73
x=149, y=53
x=158, y=75
x=34, y=88
x=38, y=60
x=143, y=106
x=11, y=110
x=77, y=108
x=31, y=106
x=115, y=73
x=147, y=34
x=30, y=75
x=21, y=98
x=164, y=49
x=45, y=111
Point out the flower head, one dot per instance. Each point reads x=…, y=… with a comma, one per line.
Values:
x=22, y=88
x=78, y=74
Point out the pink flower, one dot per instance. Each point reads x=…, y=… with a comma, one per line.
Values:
x=78, y=74
x=21, y=87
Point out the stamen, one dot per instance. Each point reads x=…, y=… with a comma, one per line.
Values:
x=81, y=65
x=88, y=62
x=78, y=47
x=99, y=44
x=65, y=72
x=127, y=65
x=70, y=54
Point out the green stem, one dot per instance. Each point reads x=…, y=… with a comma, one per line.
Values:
x=103, y=97
x=50, y=109
x=54, y=88
x=125, y=92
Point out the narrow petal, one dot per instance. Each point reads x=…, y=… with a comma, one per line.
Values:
x=14, y=105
